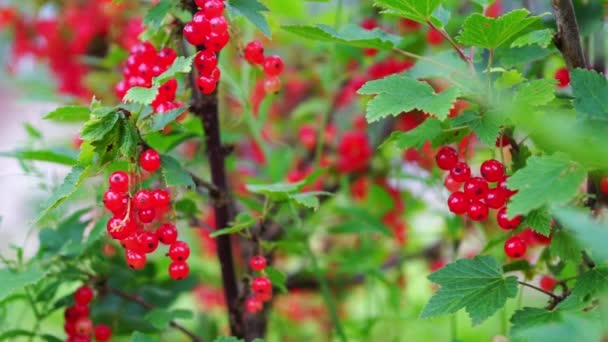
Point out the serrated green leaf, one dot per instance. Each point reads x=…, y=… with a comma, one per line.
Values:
x=545, y=180
x=160, y=318
x=159, y=121
x=98, y=126
x=438, y=65
x=539, y=37
x=15, y=281
x=535, y=93
x=591, y=235
x=398, y=93
x=509, y=79
x=241, y=222
x=141, y=95
x=69, y=114
x=590, y=90
x=70, y=184
x=275, y=191
x=490, y=33
x=253, y=11
x=349, y=35
x=511, y=57
x=531, y=317
x=181, y=65
x=307, y=199
x=540, y=325
x=141, y=337
x=417, y=10
x=539, y=220
x=588, y=285
x=174, y=174
x=487, y=126
x=428, y=130
x=155, y=15
x=276, y=277
x=477, y=285
x=129, y=139
x=564, y=245
x=57, y=157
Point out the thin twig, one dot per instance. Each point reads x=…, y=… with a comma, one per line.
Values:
x=457, y=48
x=553, y=296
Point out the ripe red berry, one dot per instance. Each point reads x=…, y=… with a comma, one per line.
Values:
x=434, y=37
x=83, y=326
x=254, y=52
x=118, y=228
x=116, y=202
x=476, y=188
x=147, y=241
x=218, y=25
x=515, y=247
x=477, y=211
x=492, y=170
x=166, y=233
x=161, y=199
x=458, y=203
x=135, y=260
x=193, y=35
x=75, y=311
x=451, y=184
x=261, y=285
x=562, y=75
x=205, y=61
x=216, y=42
x=149, y=160
x=179, y=270
x=131, y=242
x=308, y=136
x=504, y=222
x=547, y=283
x=604, y=185
x=253, y=305
x=273, y=65
x=213, y=8
x=461, y=172
x=119, y=181
x=206, y=85
x=272, y=85
x=69, y=328
x=102, y=332
x=179, y=251
x=502, y=185
x=166, y=56
x=446, y=158
x=495, y=198
x=146, y=215
x=502, y=141
x=143, y=200
x=257, y=263
x=83, y=295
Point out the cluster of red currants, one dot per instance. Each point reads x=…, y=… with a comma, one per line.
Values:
x=208, y=30
x=135, y=219
x=272, y=65
x=78, y=325
x=477, y=198
x=261, y=287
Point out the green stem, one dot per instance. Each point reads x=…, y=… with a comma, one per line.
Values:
x=454, y=327
x=339, y=8
x=489, y=71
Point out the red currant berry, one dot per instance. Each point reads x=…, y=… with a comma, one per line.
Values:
x=434, y=37
x=273, y=65
x=161, y=199
x=167, y=92
x=461, y=172
x=502, y=141
x=166, y=233
x=476, y=188
x=102, y=332
x=205, y=61
x=136, y=260
x=213, y=8
x=451, y=184
x=502, y=185
x=217, y=41
x=562, y=75
x=547, y=283
x=179, y=270
x=257, y=263
x=446, y=158
x=495, y=198
x=143, y=200
x=264, y=296
x=272, y=85
x=206, y=85
x=604, y=185
x=307, y=135
x=119, y=228
x=149, y=160
x=504, y=222
x=83, y=326
x=83, y=295
x=146, y=215
x=254, y=52
x=458, y=203
x=78, y=338
x=477, y=211
x=515, y=247
x=76, y=311
x=119, y=181
x=261, y=285
x=218, y=25
x=147, y=241
x=492, y=170
x=193, y=35
x=116, y=202
x=179, y=251
x=166, y=56
x=253, y=305
x=131, y=242
x=215, y=75
x=69, y=328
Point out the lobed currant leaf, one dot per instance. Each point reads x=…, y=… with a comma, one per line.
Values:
x=538, y=220
x=69, y=114
x=174, y=174
x=490, y=33
x=70, y=185
x=590, y=235
x=535, y=93
x=253, y=11
x=350, y=35
x=416, y=10
x=539, y=37
x=590, y=90
x=15, y=281
x=428, y=130
x=487, y=126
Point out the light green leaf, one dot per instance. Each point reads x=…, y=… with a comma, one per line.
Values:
x=349, y=35
x=539, y=220
x=277, y=278
x=159, y=121
x=307, y=199
x=417, y=10
x=155, y=15
x=399, y=93
x=57, y=157
x=591, y=235
x=490, y=33
x=486, y=126
x=477, y=285
x=70, y=184
x=160, y=318
x=539, y=37
x=428, y=130
x=276, y=191
x=141, y=95
x=253, y=11
x=509, y=79
x=540, y=325
x=141, y=337
x=590, y=284
x=174, y=174
x=69, y=114
x=545, y=180
x=98, y=126
x=441, y=64
x=535, y=93
x=181, y=65
x=590, y=91
x=564, y=245
x=241, y=222
x=16, y=281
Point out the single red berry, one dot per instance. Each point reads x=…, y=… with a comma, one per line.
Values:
x=83, y=326
x=78, y=338
x=461, y=172
x=215, y=75
x=166, y=92
x=119, y=181
x=179, y=251
x=161, y=199
x=205, y=61
x=547, y=283
x=476, y=188
x=116, y=202
x=166, y=56
x=458, y=203
x=119, y=228
x=84, y=295
x=102, y=332
x=135, y=260
x=308, y=136
x=261, y=285
x=273, y=65
x=254, y=52
x=541, y=239
x=69, y=328
x=451, y=184
x=193, y=35
x=166, y=233
x=477, y=211
x=434, y=37
x=213, y=8
x=604, y=185
x=562, y=75
x=515, y=247
x=131, y=243
x=446, y=158
x=148, y=242
x=502, y=185
x=502, y=141
x=257, y=263
x=495, y=198
x=272, y=85
x=253, y=305
x=206, y=85
x=146, y=215
x=218, y=25
x=217, y=41
x=179, y=270
x=143, y=200
x=504, y=222
x=149, y=160
x=492, y=170
x=264, y=296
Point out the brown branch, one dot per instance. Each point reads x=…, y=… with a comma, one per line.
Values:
x=553, y=296
x=567, y=39
x=457, y=48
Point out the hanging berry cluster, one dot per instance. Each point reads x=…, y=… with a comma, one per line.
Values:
x=476, y=197
x=78, y=326
x=208, y=30
x=272, y=65
x=138, y=221
x=261, y=287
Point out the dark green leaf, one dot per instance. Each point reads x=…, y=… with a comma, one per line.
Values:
x=155, y=15
x=252, y=10
x=15, y=281
x=428, y=130
x=69, y=114
x=490, y=33
x=277, y=278
x=349, y=35
x=173, y=173
x=539, y=220
x=590, y=91
x=70, y=184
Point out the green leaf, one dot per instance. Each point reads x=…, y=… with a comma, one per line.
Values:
x=141, y=95
x=428, y=130
x=539, y=37
x=509, y=79
x=591, y=235
x=276, y=191
x=490, y=33
x=398, y=93
x=349, y=35
x=70, y=184
x=564, y=245
x=590, y=91
x=487, y=126
x=277, y=278
x=241, y=222
x=227, y=339
x=160, y=318
x=545, y=180
x=141, y=337
x=438, y=65
x=50, y=156
x=539, y=220
x=129, y=139
x=159, y=121
x=477, y=285
x=69, y=114
x=359, y=221
x=155, y=15
x=588, y=285
x=99, y=126
x=307, y=199
x=11, y=334
x=253, y=11
x=181, y=65
x=535, y=93
x=540, y=325
x=417, y=10
x=15, y=281
x=173, y=173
